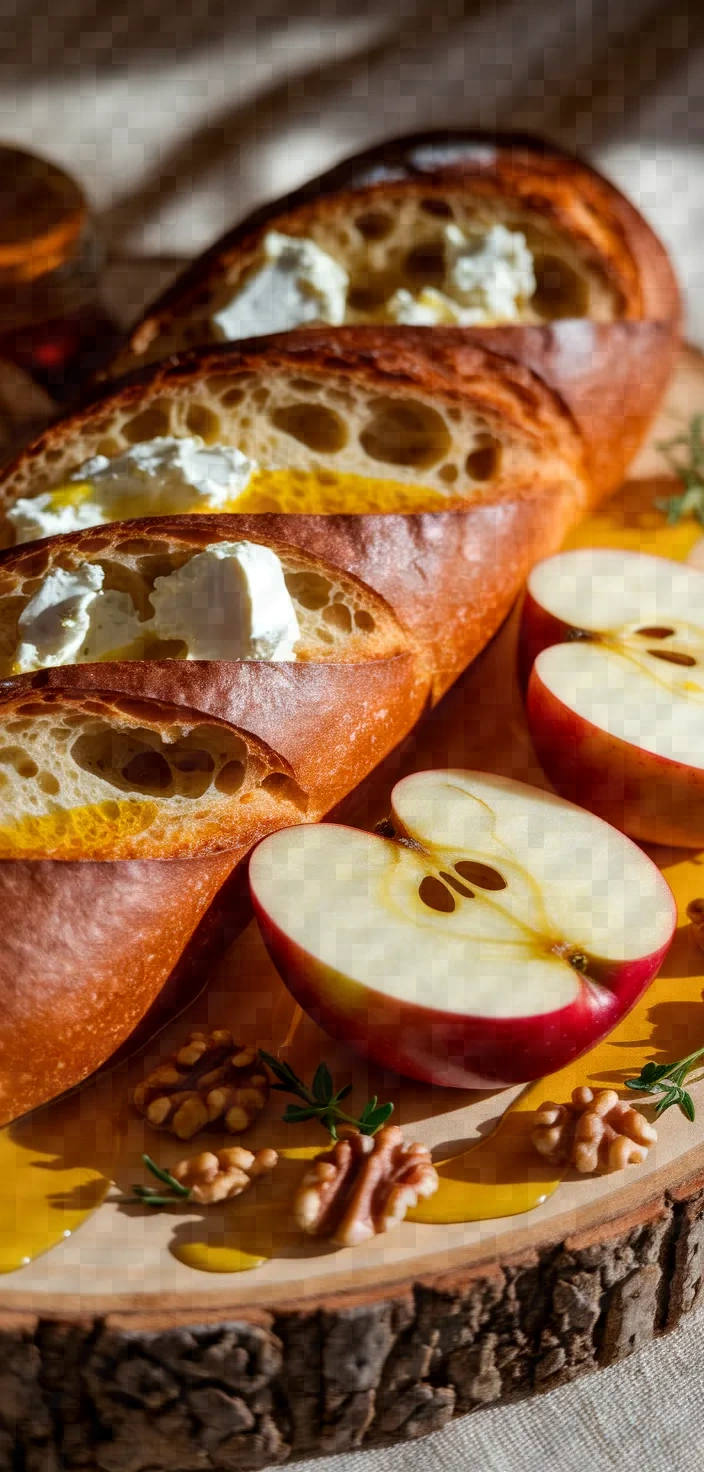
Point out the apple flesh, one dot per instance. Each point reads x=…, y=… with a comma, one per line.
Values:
x=496, y=935
x=614, y=642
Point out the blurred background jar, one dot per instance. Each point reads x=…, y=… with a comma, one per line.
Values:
x=54, y=325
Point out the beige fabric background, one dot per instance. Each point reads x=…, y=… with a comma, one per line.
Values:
x=179, y=115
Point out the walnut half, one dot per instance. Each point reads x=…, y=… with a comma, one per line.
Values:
x=593, y=1130
x=695, y=913
x=208, y=1081
x=211, y=1177
x=363, y=1185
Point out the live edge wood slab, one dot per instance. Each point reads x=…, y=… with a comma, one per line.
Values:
x=242, y=1378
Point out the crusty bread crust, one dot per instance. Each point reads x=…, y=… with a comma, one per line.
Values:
x=86, y=950
x=132, y=554
x=103, y=938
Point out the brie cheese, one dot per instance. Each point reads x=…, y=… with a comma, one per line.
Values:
x=164, y=476
x=295, y=283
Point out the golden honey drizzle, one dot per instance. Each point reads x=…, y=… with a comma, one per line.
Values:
x=328, y=492
x=315, y=492
x=70, y=833
x=57, y=1166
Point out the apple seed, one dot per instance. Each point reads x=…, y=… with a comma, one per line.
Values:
x=435, y=895
x=480, y=874
x=673, y=657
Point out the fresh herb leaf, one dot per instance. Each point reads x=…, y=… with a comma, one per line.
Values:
x=376, y=1119
x=665, y=1081
x=322, y=1084
x=165, y=1177
x=149, y=1196
x=684, y=454
x=321, y=1102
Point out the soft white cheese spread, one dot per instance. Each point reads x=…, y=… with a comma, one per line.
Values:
x=295, y=283
x=114, y=625
x=38, y=516
x=164, y=476
x=430, y=308
x=228, y=602
x=55, y=622
x=491, y=275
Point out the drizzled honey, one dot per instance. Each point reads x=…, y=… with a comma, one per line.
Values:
x=69, y=833
x=310, y=492
x=329, y=492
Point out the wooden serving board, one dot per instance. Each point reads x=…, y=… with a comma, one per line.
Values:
x=120, y=1356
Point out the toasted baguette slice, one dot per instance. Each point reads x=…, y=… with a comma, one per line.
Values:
x=117, y=777
x=339, y=618
x=337, y=421
x=602, y=327
x=382, y=216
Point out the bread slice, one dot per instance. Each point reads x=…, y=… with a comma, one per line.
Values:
x=339, y=618
x=383, y=214
x=602, y=328
x=116, y=777
x=348, y=421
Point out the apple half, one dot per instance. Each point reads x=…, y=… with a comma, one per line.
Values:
x=614, y=642
x=490, y=934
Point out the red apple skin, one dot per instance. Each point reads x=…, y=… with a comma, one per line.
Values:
x=456, y=1050
x=651, y=798
x=538, y=630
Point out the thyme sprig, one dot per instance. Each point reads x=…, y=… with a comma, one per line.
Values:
x=666, y=1081
x=150, y=1196
x=684, y=455
x=321, y=1102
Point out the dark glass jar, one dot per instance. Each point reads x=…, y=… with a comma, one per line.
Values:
x=53, y=323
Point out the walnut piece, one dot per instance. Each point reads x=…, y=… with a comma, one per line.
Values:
x=209, y=1081
x=218, y=1177
x=695, y=913
x=592, y=1131
x=363, y=1185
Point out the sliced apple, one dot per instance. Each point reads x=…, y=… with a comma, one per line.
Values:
x=614, y=642
x=492, y=933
